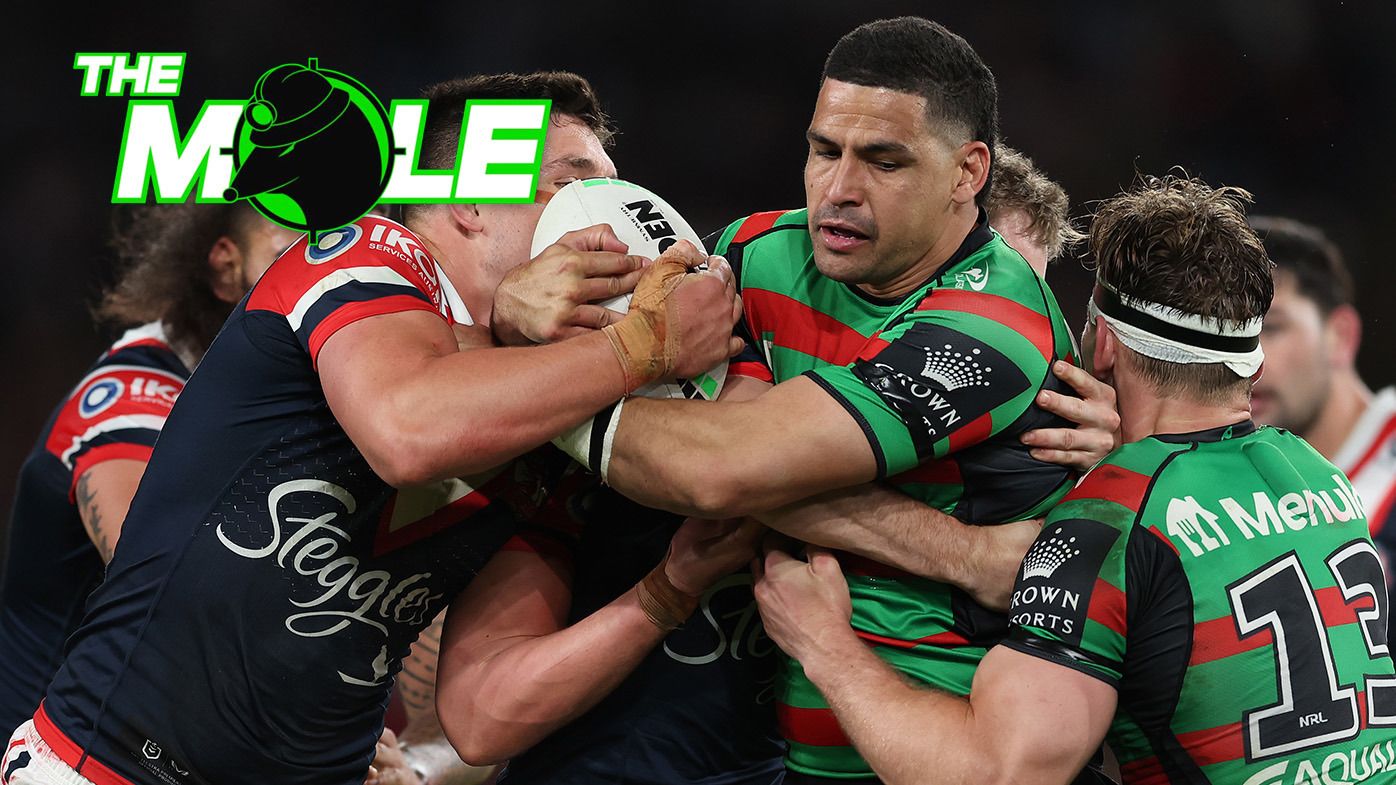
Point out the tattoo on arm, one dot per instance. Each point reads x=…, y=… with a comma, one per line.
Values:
x=92, y=517
x=416, y=683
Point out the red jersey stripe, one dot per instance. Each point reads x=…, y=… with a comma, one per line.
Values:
x=107, y=452
x=972, y=432
x=756, y=224
x=752, y=370
x=1377, y=444
x=70, y=753
x=1030, y=324
x=812, y=727
x=1216, y=639
x=347, y=314
x=1214, y=745
x=1108, y=607
x=802, y=328
x=1112, y=483
x=938, y=472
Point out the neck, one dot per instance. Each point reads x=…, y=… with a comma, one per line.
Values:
x=1143, y=413
x=962, y=221
x=1348, y=400
x=462, y=270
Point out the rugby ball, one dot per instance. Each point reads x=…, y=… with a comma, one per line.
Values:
x=645, y=223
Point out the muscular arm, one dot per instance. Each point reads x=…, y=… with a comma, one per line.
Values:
x=103, y=494
x=422, y=744
x=889, y=527
x=421, y=411
x=1025, y=720
x=511, y=673
x=757, y=455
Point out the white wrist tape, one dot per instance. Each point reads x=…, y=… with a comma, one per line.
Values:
x=590, y=443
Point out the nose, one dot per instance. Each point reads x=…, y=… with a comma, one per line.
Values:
x=846, y=185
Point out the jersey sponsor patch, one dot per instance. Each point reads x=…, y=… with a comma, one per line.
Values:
x=939, y=379
x=1057, y=578
x=100, y=396
x=331, y=244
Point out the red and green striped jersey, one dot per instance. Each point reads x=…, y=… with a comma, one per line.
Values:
x=942, y=383
x=1225, y=584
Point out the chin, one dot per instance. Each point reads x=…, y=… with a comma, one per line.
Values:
x=842, y=268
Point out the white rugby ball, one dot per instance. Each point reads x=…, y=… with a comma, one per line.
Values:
x=645, y=223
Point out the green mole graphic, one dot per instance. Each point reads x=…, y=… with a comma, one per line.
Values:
x=313, y=149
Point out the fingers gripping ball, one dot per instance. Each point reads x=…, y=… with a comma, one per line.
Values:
x=649, y=226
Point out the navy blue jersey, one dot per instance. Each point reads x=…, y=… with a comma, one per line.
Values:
x=115, y=412
x=699, y=708
x=267, y=582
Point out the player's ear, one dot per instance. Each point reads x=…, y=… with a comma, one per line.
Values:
x=467, y=217
x=1344, y=335
x=1105, y=350
x=225, y=269
x=974, y=171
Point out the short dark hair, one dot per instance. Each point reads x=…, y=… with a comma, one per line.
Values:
x=164, y=274
x=570, y=94
x=1178, y=242
x=1305, y=252
x=914, y=55
x=1019, y=185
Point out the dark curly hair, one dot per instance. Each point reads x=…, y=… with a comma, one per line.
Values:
x=164, y=275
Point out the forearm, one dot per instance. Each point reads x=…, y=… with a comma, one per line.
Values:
x=878, y=523
x=508, y=702
x=465, y=412
x=890, y=721
x=730, y=459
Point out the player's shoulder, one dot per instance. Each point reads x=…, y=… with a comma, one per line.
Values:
x=147, y=346
x=782, y=228
x=373, y=249
x=1123, y=480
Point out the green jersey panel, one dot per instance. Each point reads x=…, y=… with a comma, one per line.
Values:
x=1225, y=583
x=941, y=383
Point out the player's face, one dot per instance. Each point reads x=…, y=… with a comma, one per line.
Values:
x=878, y=182
x=571, y=152
x=265, y=241
x=1295, y=385
x=1016, y=228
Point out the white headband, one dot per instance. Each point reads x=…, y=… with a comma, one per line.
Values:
x=1169, y=334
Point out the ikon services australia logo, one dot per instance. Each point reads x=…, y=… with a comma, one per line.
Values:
x=312, y=148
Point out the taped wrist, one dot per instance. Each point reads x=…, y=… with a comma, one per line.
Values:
x=590, y=443
x=647, y=340
x=664, y=605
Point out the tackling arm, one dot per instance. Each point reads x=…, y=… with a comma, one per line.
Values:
x=757, y=454
x=511, y=673
x=1026, y=719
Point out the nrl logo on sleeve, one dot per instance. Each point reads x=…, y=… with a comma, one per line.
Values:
x=311, y=148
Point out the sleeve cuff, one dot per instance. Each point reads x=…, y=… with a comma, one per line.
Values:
x=857, y=417
x=1022, y=641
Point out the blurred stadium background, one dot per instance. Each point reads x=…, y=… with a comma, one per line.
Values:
x=1294, y=100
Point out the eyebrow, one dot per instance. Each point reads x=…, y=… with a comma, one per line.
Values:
x=878, y=147
x=579, y=163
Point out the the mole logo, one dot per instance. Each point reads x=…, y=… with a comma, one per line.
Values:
x=312, y=149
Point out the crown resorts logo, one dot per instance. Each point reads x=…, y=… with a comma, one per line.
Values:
x=1047, y=556
x=952, y=369
x=313, y=149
